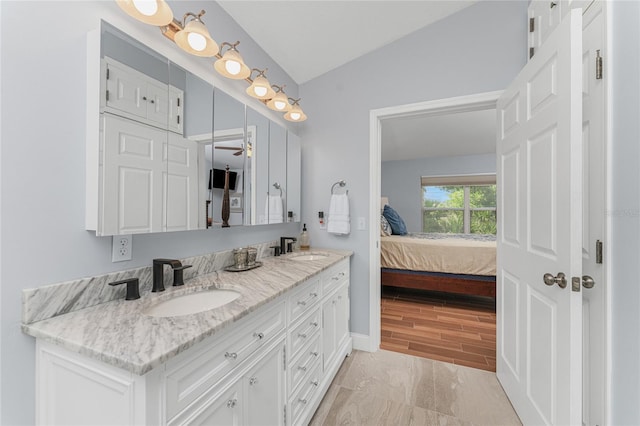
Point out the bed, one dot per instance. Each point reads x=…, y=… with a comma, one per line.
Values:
x=452, y=263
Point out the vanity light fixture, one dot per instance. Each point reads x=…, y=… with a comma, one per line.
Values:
x=194, y=37
x=154, y=12
x=231, y=64
x=279, y=102
x=261, y=88
x=295, y=114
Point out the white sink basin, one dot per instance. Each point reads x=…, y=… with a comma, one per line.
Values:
x=192, y=303
x=310, y=256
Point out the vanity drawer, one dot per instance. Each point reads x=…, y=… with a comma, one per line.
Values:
x=304, y=364
x=304, y=332
x=303, y=299
x=335, y=276
x=302, y=400
x=187, y=378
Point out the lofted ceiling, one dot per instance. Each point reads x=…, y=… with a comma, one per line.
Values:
x=449, y=135
x=310, y=38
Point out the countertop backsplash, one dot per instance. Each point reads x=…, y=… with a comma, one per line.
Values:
x=56, y=299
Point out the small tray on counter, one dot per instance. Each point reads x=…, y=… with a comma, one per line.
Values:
x=247, y=268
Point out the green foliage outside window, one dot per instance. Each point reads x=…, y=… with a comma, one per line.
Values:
x=444, y=208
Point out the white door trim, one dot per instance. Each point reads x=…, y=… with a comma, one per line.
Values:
x=474, y=102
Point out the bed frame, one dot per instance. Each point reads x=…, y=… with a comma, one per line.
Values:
x=475, y=285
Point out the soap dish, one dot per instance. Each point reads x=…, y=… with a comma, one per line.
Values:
x=246, y=268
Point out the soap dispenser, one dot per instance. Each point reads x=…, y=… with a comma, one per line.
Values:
x=304, y=238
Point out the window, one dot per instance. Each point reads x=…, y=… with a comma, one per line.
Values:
x=459, y=204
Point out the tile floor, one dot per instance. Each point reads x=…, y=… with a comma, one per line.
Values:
x=388, y=388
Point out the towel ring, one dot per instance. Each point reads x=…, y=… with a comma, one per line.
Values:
x=342, y=183
x=277, y=186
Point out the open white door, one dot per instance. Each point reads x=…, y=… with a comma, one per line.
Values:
x=539, y=173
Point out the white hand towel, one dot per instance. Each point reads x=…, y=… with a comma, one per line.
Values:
x=273, y=209
x=338, y=221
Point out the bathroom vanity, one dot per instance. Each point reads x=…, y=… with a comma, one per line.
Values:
x=267, y=357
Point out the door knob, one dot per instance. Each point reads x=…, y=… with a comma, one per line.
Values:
x=587, y=281
x=561, y=280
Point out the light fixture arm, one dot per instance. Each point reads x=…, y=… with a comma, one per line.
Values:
x=295, y=101
x=279, y=88
x=232, y=46
x=195, y=17
x=260, y=72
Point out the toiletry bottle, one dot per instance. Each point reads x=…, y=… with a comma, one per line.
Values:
x=304, y=238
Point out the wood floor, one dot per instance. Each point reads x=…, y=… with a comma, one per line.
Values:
x=456, y=329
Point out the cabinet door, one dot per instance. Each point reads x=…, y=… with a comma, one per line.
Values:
x=329, y=346
x=264, y=386
x=126, y=91
x=176, y=105
x=342, y=315
x=225, y=410
x=157, y=99
x=181, y=192
x=133, y=170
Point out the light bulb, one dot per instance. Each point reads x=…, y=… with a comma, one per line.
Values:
x=146, y=7
x=260, y=91
x=295, y=116
x=197, y=41
x=280, y=105
x=232, y=67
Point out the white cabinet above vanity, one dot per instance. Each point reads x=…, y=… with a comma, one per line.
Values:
x=268, y=357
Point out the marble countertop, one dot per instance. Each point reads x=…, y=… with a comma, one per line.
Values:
x=120, y=334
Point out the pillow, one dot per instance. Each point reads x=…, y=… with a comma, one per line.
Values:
x=397, y=224
x=385, y=228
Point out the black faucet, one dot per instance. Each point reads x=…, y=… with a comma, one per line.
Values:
x=178, y=276
x=133, y=288
x=158, y=272
x=286, y=247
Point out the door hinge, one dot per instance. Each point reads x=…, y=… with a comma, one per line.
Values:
x=178, y=119
x=107, y=73
x=575, y=283
x=107, y=96
x=285, y=414
x=531, y=52
x=178, y=101
x=532, y=24
x=598, y=65
x=284, y=357
x=598, y=251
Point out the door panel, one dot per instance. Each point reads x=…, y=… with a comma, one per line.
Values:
x=540, y=211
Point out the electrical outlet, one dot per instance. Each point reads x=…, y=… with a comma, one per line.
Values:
x=121, y=248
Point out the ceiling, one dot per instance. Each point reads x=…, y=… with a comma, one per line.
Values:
x=449, y=135
x=310, y=38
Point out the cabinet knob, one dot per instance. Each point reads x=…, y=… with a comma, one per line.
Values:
x=302, y=400
x=231, y=355
x=314, y=353
x=304, y=336
x=313, y=294
x=144, y=98
x=314, y=383
x=302, y=368
x=258, y=335
x=302, y=303
x=152, y=101
x=253, y=381
x=232, y=403
x=315, y=324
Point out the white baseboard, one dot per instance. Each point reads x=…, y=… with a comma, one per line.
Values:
x=363, y=342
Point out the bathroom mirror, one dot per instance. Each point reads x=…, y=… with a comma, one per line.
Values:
x=257, y=167
x=229, y=149
x=294, y=181
x=276, y=206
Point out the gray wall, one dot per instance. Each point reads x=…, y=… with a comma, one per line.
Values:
x=43, y=165
x=401, y=180
x=624, y=212
x=480, y=49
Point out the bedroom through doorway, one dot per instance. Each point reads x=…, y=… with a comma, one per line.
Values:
x=437, y=249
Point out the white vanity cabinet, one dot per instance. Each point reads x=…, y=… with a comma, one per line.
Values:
x=271, y=367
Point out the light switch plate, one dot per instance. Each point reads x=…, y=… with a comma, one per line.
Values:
x=121, y=248
x=362, y=224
